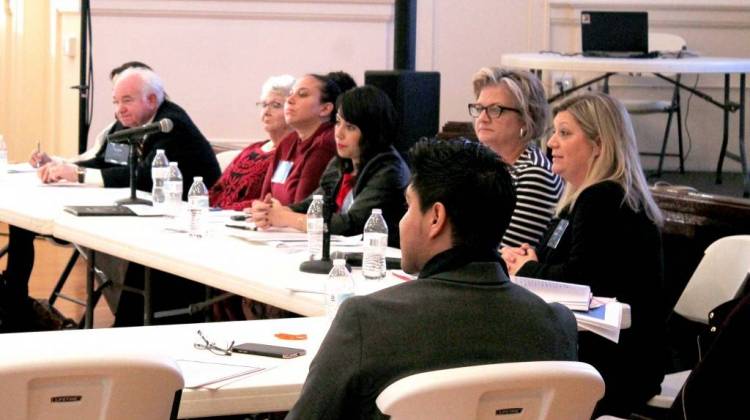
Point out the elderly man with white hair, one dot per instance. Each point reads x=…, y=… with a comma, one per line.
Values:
x=138, y=97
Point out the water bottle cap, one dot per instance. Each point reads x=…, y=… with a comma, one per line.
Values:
x=377, y=211
x=317, y=196
x=159, y=150
x=172, y=163
x=197, y=179
x=339, y=263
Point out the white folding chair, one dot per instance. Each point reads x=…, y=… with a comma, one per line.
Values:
x=521, y=391
x=87, y=387
x=226, y=157
x=670, y=44
x=719, y=277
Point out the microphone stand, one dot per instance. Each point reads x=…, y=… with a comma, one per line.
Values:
x=132, y=163
x=324, y=264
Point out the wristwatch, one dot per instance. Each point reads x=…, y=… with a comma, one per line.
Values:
x=81, y=174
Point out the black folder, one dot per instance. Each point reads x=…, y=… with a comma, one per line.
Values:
x=99, y=210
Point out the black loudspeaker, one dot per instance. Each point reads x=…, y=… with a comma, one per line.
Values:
x=416, y=97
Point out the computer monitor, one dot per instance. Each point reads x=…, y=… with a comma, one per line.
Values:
x=614, y=34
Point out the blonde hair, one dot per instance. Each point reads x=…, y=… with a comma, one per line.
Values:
x=606, y=123
x=528, y=91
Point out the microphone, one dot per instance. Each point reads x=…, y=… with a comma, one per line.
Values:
x=163, y=126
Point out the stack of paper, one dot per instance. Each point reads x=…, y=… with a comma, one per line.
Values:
x=575, y=296
x=600, y=316
x=604, y=320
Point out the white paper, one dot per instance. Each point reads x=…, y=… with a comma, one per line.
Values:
x=605, y=320
x=199, y=373
x=574, y=296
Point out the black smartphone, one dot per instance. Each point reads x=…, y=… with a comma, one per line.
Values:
x=268, y=350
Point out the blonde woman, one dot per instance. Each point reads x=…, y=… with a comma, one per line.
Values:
x=606, y=235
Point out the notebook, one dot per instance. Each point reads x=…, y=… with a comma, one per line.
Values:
x=614, y=34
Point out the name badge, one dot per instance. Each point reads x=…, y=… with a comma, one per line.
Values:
x=281, y=172
x=116, y=153
x=557, y=234
x=347, y=203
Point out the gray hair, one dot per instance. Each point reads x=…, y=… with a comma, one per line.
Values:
x=277, y=84
x=152, y=84
x=528, y=91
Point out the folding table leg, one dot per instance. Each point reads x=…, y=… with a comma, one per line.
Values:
x=90, y=301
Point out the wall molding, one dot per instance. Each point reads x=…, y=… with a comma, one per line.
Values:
x=373, y=11
x=708, y=6
x=324, y=17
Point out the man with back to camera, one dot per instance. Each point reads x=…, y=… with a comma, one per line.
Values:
x=139, y=98
x=461, y=311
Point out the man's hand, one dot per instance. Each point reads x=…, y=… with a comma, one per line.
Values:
x=38, y=159
x=55, y=172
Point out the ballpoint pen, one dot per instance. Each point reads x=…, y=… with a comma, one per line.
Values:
x=38, y=151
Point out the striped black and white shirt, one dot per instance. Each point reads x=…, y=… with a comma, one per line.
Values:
x=537, y=193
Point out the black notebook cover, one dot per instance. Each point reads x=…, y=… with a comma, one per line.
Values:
x=355, y=260
x=99, y=210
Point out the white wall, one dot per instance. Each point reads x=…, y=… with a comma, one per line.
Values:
x=214, y=55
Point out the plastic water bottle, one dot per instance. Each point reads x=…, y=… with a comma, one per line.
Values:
x=173, y=189
x=339, y=287
x=159, y=172
x=198, y=205
x=376, y=242
x=315, y=228
x=3, y=158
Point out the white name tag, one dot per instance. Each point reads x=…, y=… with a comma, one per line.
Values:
x=281, y=172
x=347, y=204
x=554, y=239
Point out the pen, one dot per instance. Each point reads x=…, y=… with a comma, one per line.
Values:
x=243, y=227
x=38, y=151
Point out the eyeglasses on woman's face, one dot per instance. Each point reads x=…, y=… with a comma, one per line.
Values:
x=493, y=111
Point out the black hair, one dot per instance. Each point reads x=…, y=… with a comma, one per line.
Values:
x=128, y=65
x=371, y=110
x=333, y=84
x=471, y=182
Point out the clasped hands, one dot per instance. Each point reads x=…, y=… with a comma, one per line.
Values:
x=516, y=257
x=269, y=212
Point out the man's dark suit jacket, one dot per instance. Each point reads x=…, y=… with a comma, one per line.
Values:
x=185, y=144
x=471, y=315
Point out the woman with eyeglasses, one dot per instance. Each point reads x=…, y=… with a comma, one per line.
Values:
x=367, y=173
x=510, y=115
x=242, y=180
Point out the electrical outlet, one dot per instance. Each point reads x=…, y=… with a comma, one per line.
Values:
x=563, y=82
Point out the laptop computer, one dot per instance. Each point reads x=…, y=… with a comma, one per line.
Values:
x=614, y=34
